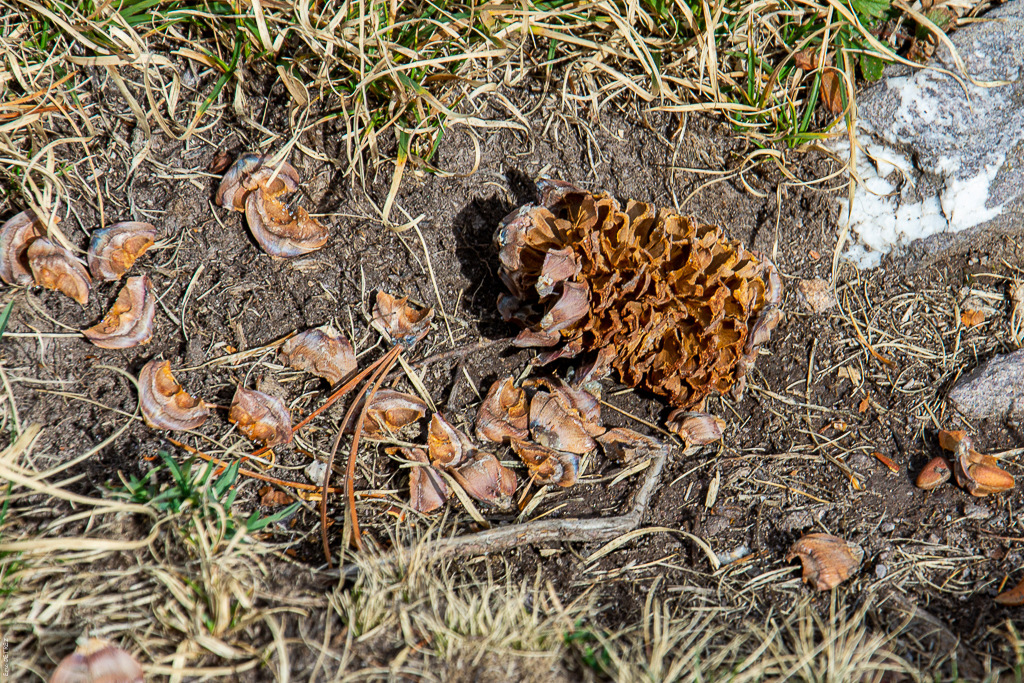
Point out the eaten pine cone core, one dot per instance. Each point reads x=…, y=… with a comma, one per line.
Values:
x=671, y=304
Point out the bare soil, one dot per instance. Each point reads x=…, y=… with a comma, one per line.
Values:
x=944, y=552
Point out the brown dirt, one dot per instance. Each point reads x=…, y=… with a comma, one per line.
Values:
x=942, y=551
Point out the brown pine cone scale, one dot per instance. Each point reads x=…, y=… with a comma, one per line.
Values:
x=671, y=304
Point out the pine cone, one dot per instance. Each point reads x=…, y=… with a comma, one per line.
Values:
x=672, y=305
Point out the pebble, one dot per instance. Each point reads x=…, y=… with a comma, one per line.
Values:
x=796, y=521
x=993, y=389
x=974, y=511
x=881, y=570
x=714, y=525
x=733, y=555
x=315, y=471
x=815, y=295
x=861, y=462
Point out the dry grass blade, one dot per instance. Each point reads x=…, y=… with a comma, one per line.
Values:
x=622, y=540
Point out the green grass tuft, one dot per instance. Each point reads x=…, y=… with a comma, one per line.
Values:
x=191, y=488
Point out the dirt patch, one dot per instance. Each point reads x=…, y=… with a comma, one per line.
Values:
x=819, y=406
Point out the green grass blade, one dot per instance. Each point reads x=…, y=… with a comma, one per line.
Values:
x=176, y=472
x=812, y=102
x=5, y=316
x=255, y=522
x=7, y=502
x=226, y=480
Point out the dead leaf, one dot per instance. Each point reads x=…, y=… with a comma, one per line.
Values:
x=261, y=417
x=390, y=411
x=806, y=59
x=401, y=321
x=504, y=414
x=164, y=404
x=272, y=497
x=446, y=445
x=427, y=490
x=1013, y=597
x=220, y=162
x=832, y=90
x=546, y=465
x=864, y=405
x=554, y=426
x=950, y=439
x=627, y=447
x=322, y=351
x=484, y=478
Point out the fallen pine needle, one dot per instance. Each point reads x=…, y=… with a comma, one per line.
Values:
x=385, y=362
x=622, y=540
x=867, y=345
x=887, y=461
x=790, y=489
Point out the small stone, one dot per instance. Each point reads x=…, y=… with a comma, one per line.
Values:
x=887, y=528
x=733, y=555
x=714, y=525
x=973, y=511
x=861, y=462
x=316, y=471
x=881, y=570
x=993, y=389
x=796, y=521
x=815, y=295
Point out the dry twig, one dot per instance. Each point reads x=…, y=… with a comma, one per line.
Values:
x=571, y=530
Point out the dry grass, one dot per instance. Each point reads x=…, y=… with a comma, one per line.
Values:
x=189, y=602
x=799, y=646
x=397, y=77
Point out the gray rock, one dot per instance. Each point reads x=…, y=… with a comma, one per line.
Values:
x=861, y=462
x=993, y=389
x=943, y=157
